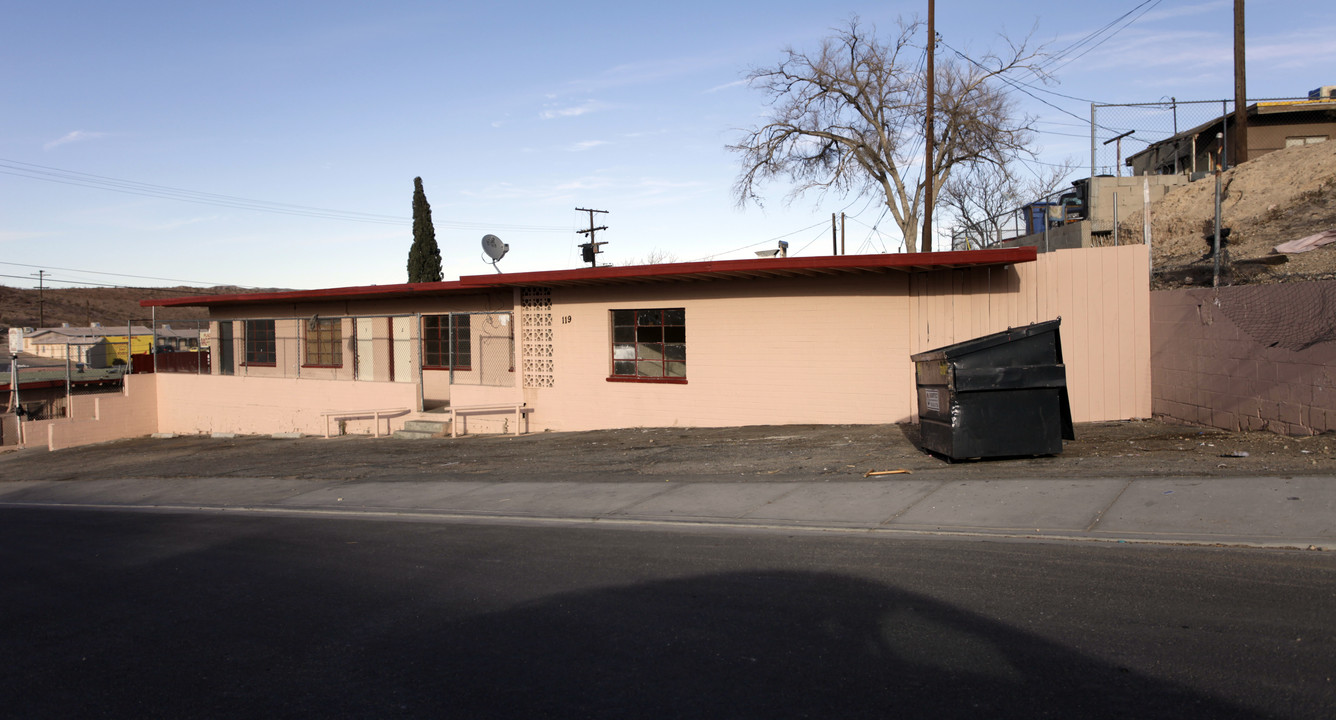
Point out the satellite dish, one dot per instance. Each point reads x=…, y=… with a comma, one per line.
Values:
x=494, y=248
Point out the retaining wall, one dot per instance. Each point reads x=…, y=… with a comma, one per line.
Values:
x=1247, y=358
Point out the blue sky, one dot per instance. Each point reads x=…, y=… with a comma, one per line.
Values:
x=513, y=114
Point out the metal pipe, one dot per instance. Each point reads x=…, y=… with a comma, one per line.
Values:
x=14, y=383
x=1115, y=219
x=69, y=386
x=1215, y=281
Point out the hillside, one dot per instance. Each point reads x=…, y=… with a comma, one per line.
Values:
x=84, y=306
x=1281, y=196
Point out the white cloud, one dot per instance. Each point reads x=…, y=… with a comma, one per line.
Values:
x=583, y=184
x=169, y=225
x=644, y=133
x=570, y=111
x=726, y=86
x=76, y=136
x=20, y=235
x=587, y=145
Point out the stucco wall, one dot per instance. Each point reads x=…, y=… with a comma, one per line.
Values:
x=101, y=418
x=1209, y=370
x=1102, y=296
x=215, y=403
x=765, y=352
x=837, y=350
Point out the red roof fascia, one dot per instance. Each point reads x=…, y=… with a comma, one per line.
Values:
x=344, y=293
x=900, y=261
x=907, y=262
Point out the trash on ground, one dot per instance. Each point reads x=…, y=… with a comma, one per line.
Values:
x=1309, y=243
x=870, y=473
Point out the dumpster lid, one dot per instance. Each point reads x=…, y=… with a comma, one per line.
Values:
x=987, y=341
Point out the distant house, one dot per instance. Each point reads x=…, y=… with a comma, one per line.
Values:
x=98, y=346
x=1271, y=126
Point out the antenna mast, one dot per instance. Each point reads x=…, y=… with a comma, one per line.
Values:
x=591, y=248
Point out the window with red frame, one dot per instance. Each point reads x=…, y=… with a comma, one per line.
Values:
x=649, y=344
x=261, y=346
x=324, y=343
x=447, y=342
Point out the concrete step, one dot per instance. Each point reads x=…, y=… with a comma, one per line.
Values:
x=437, y=427
x=422, y=429
x=414, y=435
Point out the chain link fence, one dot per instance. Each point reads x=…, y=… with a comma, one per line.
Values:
x=473, y=348
x=476, y=348
x=47, y=388
x=1122, y=136
x=1167, y=138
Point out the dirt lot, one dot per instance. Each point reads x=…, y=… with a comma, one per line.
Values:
x=1281, y=196
x=758, y=453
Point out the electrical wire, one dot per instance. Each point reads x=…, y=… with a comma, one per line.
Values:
x=102, y=272
x=1062, y=56
x=763, y=242
x=809, y=242
x=45, y=173
x=175, y=291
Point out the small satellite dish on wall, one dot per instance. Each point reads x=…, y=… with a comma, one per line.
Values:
x=494, y=248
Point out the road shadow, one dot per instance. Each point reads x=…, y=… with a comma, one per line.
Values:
x=766, y=645
x=170, y=620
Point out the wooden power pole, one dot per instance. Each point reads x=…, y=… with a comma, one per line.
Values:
x=591, y=249
x=1240, y=152
x=926, y=244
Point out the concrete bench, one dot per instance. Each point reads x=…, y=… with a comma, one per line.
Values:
x=375, y=415
x=518, y=408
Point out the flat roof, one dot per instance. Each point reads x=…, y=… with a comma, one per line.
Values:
x=709, y=271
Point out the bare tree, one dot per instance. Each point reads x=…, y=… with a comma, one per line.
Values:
x=849, y=119
x=985, y=196
x=653, y=257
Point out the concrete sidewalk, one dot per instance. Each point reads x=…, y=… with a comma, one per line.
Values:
x=1267, y=512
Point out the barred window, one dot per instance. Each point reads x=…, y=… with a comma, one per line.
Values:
x=447, y=342
x=324, y=343
x=261, y=347
x=649, y=345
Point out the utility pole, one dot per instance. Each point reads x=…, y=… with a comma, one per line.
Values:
x=834, y=237
x=1118, y=167
x=591, y=248
x=1240, y=154
x=41, y=298
x=926, y=245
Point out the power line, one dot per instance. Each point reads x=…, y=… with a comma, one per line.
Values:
x=1018, y=86
x=1061, y=56
x=58, y=280
x=45, y=173
x=1049, y=67
x=101, y=272
x=762, y=242
x=814, y=239
x=173, y=290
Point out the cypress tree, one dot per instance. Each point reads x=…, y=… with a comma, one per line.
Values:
x=424, y=258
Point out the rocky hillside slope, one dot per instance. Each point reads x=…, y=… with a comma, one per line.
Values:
x=84, y=306
x=1281, y=196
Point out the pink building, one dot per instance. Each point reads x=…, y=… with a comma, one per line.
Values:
x=766, y=341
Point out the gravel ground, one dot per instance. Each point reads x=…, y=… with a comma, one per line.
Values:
x=758, y=453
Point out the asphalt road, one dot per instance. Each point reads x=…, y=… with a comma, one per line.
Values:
x=133, y=614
